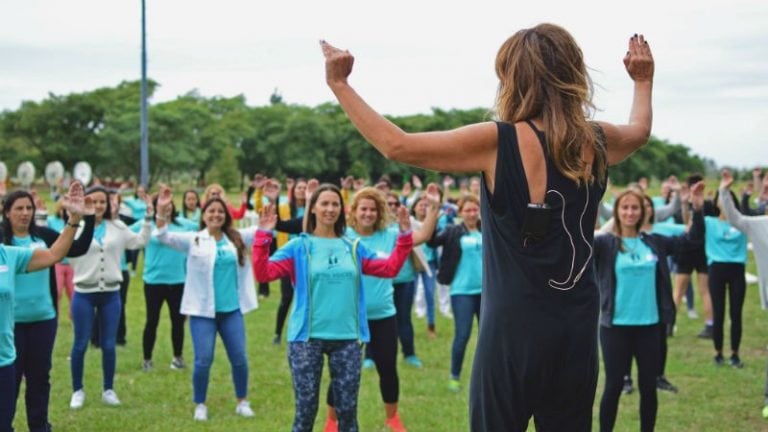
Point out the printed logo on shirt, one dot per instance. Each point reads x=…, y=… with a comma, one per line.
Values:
x=3, y=268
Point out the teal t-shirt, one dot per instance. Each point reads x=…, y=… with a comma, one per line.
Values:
x=635, y=298
x=379, y=300
x=668, y=229
x=407, y=273
x=468, y=279
x=193, y=217
x=333, y=290
x=32, y=299
x=13, y=261
x=163, y=264
x=138, y=207
x=225, y=277
x=723, y=242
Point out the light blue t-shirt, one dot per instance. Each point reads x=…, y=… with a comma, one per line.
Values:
x=668, y=229
x=333, y=295
x=723, y=242
x=193, y=217
x=468, y=279
x=635, y=298
x=32, y=299
x=163, y=264
x=13, y=261
x=379, y=300
x=225, y=277
x=407, y=273
x=138, y=207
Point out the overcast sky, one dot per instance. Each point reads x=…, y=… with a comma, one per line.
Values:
x=711, y=86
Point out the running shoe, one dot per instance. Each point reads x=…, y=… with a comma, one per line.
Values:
x=178, y=363
x=394, y=424
x=414, y=361
x=735, y=361
x=331, y=425
x=77, y=400
x=454, y=385
x=243, y=409
x=627, y=389
x=663, y=384
x=201, y=412
x=109, y=397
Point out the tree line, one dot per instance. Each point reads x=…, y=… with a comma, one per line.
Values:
x=204, y=139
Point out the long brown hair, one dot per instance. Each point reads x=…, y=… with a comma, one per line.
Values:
x=233, y=234
x=542, y=73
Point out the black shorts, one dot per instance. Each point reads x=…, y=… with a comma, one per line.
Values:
x=687, y=266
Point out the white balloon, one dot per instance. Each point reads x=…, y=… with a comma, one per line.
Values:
x=25, y=174
x=82, y=172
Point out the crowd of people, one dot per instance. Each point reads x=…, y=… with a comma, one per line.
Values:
x=555, y=269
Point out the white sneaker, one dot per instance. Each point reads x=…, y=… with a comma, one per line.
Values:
x=77, y=400
x=109, y=397
x=201, y=412
x=692, y=314
x=244, y=409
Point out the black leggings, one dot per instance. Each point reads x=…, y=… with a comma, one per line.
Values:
x=728, y=276
x=286, y=296
x=619, y=345
x=383, y=349
x=155, y=295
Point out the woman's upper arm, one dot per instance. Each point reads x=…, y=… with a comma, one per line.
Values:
x=469, y=148
x=623, y=140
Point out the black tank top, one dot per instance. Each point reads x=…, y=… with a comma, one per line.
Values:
x=554, y=272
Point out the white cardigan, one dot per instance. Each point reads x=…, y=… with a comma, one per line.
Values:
x=99, y=269
x=200, y=247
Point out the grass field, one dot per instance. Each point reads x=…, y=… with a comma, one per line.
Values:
x=710, y=398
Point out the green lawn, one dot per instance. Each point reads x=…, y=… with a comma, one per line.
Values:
x=710, y=398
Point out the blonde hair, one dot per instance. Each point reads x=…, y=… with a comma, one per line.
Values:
x=382, y=212
x=542, y=73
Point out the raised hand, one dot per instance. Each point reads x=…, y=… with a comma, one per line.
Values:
x=338, y=64
x=164, y=202
x=726, y=179
x=74, y=201
x=433, y=195
x=347, y=182
x=258, y=181
x=403, y=219
x=416, y=181
x=289, y=182
x=148, y=201
x=406, y=189
x=447, y=183
x=268, y=218
x=639, y=60
x=685, y=193
x=697, y=195
x=312, y=186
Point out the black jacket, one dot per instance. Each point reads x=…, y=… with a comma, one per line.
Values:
x=450, y=239
x=79, y=248
x=607, y=247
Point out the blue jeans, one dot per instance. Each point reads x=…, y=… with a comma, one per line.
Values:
x=429, y=291
x=464, y=308
x=7, y=397
x=231, y=327
x=84, y=308
x=306, y=361
x=34, y=349
x=403, y=297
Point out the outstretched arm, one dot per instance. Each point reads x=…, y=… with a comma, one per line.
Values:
x=622, y=140
x=467, y=149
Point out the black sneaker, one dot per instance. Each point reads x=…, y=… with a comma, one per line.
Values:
x=276, y=340
x=736, y=362
x=663, y=384
x=719, y=360
x=627, y=389
x=706, y=333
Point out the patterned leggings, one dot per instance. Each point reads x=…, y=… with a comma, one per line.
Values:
x=306, y=362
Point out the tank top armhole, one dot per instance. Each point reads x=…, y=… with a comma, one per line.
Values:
x=509, y=168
